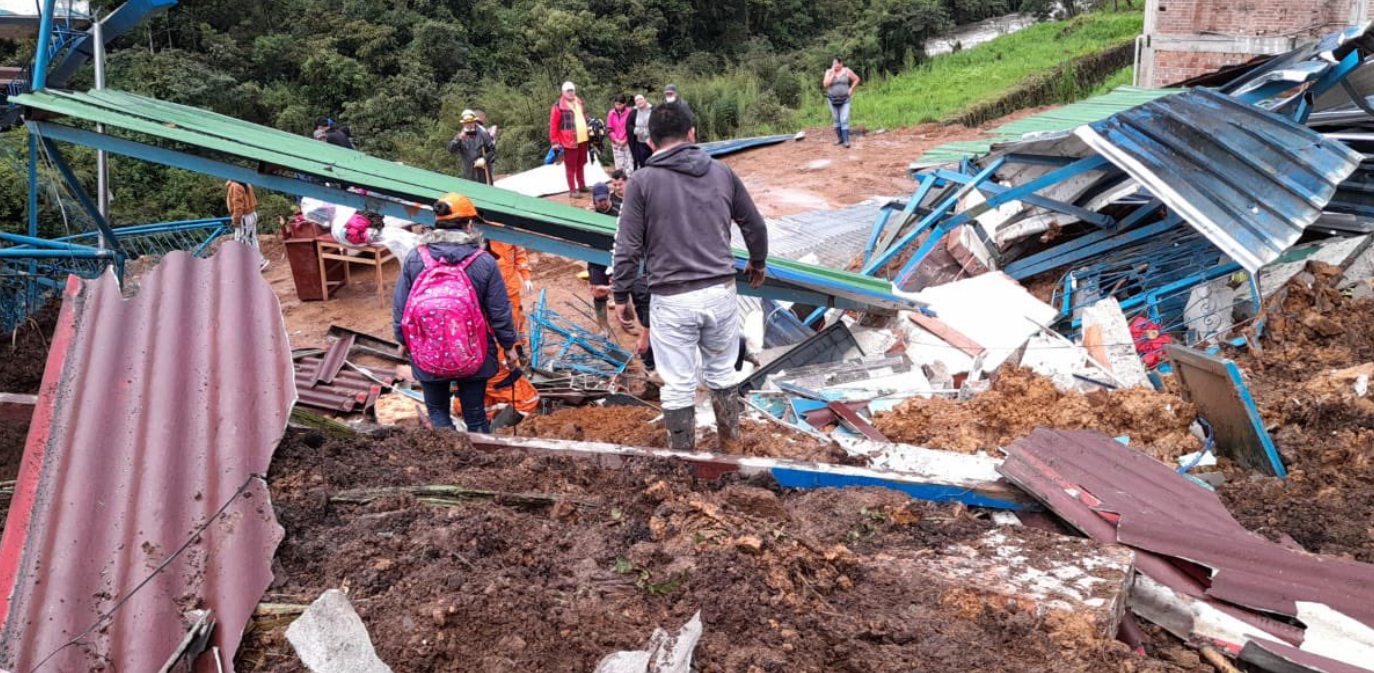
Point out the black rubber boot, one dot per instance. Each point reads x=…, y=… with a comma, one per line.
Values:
x=839, y=136
x=845, y=135
x=727, y=406
x=682, y=428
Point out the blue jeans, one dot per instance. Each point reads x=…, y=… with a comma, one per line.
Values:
x=840, y=114
x=472, y=395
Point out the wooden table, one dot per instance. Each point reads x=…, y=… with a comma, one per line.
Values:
x=375, y=256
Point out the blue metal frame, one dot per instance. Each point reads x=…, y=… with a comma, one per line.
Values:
x=1002, y=195
x=44, y=55
x=929, y=220
x=111, y=241
x=1084, y=247
x=226, y=171
x=774, y=288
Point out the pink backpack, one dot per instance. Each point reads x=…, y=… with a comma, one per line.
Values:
x=443, y=322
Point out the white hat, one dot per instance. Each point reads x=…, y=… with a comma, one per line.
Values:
x=569, y=86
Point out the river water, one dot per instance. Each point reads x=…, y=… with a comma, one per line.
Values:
x=974, y=34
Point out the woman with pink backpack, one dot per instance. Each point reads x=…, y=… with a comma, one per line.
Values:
x=450, y=312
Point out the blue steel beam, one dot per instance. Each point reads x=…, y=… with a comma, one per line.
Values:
x=776, y=287
x=33, y=185
x=940, y=211
x=85, y=199
x=44, y=48
x=1084, y=247
x=1045, y=202
x=124, y=19
x=29, y=253
x=57, y=244
x=227, y=171
x=1000, y=195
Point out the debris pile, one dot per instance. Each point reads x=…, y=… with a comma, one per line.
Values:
x=1019, y=400
x=808, y=581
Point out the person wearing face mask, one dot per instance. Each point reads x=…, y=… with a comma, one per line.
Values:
x=475, y=149
x=671, y=97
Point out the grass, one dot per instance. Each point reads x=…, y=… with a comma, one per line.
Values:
x=947, y=84
x=1122, y=77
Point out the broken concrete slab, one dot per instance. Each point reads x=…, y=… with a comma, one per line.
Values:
x=991, y=310
x=1117, y=343
x=1078, y=586
x=330, y=637
x=665, y=652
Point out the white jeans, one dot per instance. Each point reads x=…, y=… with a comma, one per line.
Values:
x=247, y=232
x=690, y=330
x=623, y=159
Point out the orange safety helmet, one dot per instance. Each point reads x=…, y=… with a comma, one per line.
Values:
x=459, y=207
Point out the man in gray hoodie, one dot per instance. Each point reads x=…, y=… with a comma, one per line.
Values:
x=675, y=220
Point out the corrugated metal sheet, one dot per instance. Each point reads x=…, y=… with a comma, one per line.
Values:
x=155, y=413
x=1138, y=501
x=1249, y=180
x=832, y=238
x=721, y=148
x=207, y=130
x=1058, y=119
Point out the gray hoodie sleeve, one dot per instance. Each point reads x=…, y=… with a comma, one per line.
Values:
x=751, y=224
x=629, y=243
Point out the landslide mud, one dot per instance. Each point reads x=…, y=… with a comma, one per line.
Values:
x=516, y=583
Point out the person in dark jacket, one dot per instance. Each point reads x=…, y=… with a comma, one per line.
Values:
x=452, y=241
x=676, y=222
x=475, y=149
x=326, y=130
x=638, y=124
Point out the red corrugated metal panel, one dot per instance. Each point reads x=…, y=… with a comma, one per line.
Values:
x=1120, y=495
x=155, y=413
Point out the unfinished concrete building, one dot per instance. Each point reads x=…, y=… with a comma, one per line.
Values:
x=1186, y=38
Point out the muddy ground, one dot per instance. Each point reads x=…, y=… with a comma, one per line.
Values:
x=25, y=351
x=12, y=438
x=1323, y=429
x=554, y=582
x=636, y=426
x=815, y=173
x=1020, y=401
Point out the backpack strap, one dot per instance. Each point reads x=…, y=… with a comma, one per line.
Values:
x=467, y=261
x=425, y=257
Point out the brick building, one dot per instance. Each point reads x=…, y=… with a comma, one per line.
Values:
x=1186, y=38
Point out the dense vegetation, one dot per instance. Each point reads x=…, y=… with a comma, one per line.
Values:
x=397, y=72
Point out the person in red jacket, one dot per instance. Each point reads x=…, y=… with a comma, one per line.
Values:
x=568, y=129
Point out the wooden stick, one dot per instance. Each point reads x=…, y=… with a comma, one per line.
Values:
x=449, y=495
x=1216, y=659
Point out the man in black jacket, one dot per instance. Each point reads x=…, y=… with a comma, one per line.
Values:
x=676, y=222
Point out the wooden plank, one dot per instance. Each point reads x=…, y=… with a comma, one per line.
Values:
x=948, y=334
x=16, y=407
x=856, y=422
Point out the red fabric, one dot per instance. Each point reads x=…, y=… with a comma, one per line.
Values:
x=574, y=161
x=1150, y=340
x=563, y=132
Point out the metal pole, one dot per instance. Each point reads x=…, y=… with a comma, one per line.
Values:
x=44, y=55
x=33, y=183
x=102, y=160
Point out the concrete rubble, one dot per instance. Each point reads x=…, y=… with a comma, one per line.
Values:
x=329, y=637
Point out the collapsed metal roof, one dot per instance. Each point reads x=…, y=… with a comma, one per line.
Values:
x=391, y=187
x=1117, y=494
x=141, y=493
x=1249, y=180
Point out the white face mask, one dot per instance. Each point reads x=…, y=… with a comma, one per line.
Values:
x=670, y=98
